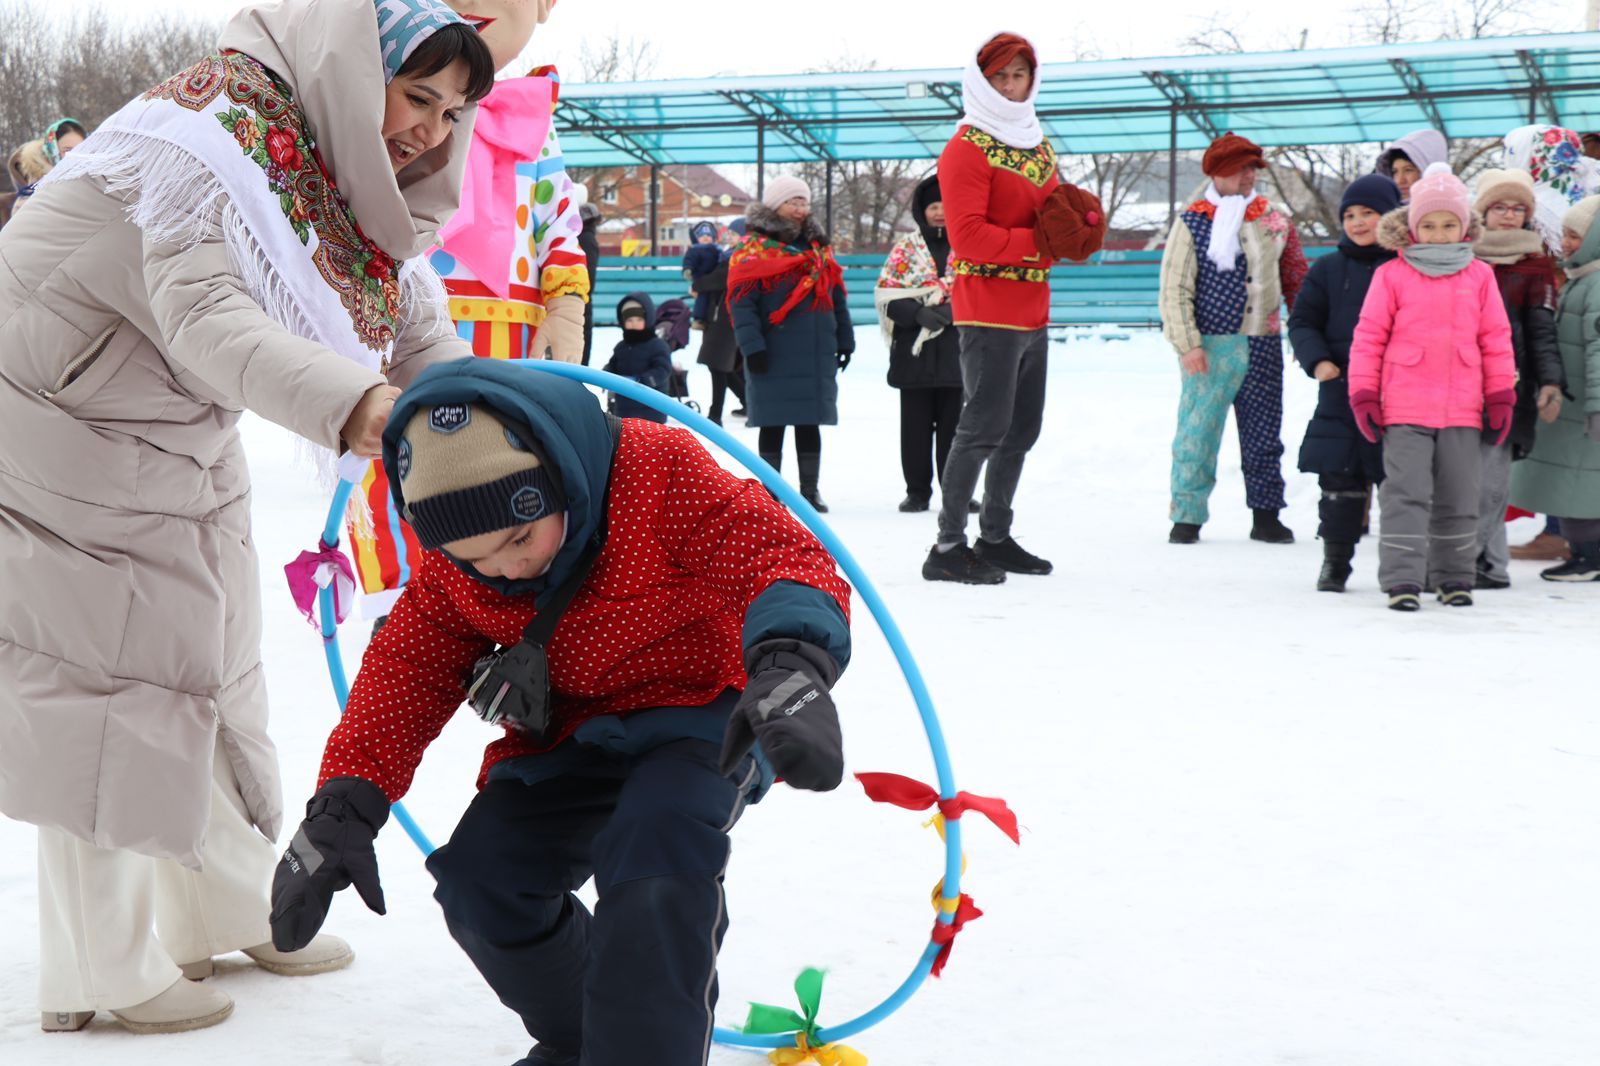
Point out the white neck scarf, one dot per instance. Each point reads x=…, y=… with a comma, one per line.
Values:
x=1009, y=121
x=1225, y=222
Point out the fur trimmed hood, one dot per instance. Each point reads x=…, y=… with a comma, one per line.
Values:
x=1394, y=229
x=765, y=220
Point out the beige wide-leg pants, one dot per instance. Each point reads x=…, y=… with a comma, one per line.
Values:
x=100, y=910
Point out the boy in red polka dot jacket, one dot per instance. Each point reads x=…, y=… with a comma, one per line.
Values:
x=702, y=630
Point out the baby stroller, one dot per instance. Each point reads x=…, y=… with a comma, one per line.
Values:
x=672, y=326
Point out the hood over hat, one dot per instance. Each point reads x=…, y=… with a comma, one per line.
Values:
x=645, y=304
x=1422, y=147
x=328, y=53
x=1012, y=122
x=560, y=420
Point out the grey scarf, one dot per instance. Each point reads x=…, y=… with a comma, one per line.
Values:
x=1438, y=260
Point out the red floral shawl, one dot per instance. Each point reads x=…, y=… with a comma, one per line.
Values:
x=763, y=263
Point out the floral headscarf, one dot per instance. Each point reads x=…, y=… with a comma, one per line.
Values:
x=52, y=136
x=404, y=24
x=1562, y=174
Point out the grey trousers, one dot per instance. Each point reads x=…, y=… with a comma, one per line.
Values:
x=1494, y=491
x=1003, y=377
x=1429, y=500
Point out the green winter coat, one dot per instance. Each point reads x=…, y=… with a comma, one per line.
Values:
x=1561, y=476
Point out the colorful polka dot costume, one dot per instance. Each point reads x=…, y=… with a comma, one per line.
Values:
x=658, y=623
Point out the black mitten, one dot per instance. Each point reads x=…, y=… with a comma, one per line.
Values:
x=843, y=359
x=787, y=708
x=938, y=316
x=330, y=851
x=756, y=362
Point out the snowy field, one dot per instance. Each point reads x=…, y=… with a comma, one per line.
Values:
x=1263, y=825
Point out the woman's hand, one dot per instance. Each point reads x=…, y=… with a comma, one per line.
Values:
x=363, y=430
x=1194, y=361
x=1326, y=371
x=1549, y=403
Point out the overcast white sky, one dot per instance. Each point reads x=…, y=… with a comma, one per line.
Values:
x=762, y=37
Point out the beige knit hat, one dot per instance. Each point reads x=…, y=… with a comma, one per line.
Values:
x=464, y=473
x=1580, y=216
x=782, y=189
x=1504, y=186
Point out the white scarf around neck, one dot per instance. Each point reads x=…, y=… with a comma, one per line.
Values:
x=1012, y=122
x=1223, y=250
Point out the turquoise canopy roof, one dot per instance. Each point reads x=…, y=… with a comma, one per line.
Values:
x=1474, y=88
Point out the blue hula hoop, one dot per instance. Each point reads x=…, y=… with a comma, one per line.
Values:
x=864, y=588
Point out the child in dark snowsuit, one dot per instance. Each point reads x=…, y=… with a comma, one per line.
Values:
x=641, y=355
x=688, y=616
x=1320, y=328
x=701, y=259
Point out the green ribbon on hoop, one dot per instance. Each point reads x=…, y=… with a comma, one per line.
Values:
x=765, y=1019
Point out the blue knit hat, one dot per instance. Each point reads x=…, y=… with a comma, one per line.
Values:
x=1371, y=190
x=404, y=24
x=704, y=228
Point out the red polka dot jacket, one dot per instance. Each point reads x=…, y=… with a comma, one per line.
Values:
x=660, y=622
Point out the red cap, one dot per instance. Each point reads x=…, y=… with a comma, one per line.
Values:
x=1229, y=154
x=1001, y=50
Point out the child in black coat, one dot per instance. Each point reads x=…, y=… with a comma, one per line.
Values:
x=641, y=356
x=1320, y=329
x=701, y=259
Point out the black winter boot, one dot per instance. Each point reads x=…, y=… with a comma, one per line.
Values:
x=1335, y=566
x=773, y=459
x=914, y=504
x=1184, y=533
x=810, y=463
x=963, y=565
x=1268, y=529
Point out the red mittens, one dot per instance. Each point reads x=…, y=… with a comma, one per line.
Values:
x=1369, y=414
x=1071, y=225
x=1498, y=407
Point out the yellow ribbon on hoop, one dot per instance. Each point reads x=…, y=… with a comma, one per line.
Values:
x=822, y=1055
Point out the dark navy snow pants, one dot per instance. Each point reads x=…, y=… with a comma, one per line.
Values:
x=636, y=981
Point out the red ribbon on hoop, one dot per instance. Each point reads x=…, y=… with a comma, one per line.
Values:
x=966, y=911
x=915, y=796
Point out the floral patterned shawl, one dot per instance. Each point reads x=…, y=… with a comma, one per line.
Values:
x=910, y=273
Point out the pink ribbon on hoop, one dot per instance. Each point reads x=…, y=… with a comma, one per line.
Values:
x=313, y=571
x=512, y=124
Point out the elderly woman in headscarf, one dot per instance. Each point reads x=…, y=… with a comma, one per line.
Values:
x=245, y=235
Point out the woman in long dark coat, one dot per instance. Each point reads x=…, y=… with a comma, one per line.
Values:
x=787, y=298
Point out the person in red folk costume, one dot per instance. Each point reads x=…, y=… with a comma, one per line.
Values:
x=1010, y=217
x=667, y=638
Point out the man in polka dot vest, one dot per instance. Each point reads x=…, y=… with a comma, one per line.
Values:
x=1231, y=261
x=691, y=667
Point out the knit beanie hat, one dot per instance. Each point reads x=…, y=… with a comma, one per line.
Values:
x=704, y=228
x=464, y=473
x=1229, y=154
x=1439, y=190
x=1496, y=186
x=1375, y=191
x=1002, y=48
x=783, y=189
x=631, y=308
x=1580, y=216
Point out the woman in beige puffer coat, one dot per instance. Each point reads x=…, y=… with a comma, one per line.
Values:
x=244, y=236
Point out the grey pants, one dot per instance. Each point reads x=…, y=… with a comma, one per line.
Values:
x=1493, y=492
x=1003, y=377
x=1428, y=535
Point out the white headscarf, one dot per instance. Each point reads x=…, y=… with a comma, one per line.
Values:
x=1009, y=121
x=1225, y=222
x=1562, y=174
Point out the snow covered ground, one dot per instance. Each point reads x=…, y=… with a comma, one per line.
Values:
x=1263, y=825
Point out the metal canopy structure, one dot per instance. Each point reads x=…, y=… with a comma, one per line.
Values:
x=1476, y=88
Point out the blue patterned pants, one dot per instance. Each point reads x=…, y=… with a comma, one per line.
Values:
x=1247, y=373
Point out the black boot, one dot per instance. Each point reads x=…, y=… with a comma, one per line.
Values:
x=1583, y=566
x=1184, y=533
x=773, y=459
x=914, y=504
x=1011, y=557
x=1335, y=566
x=810, y=462
x=1268, y=529
x=963, y=565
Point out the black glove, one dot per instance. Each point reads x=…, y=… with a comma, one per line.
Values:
x=756, y=362
x=939, y=316
x=331, y=850
x=787, y=708
x=844, y=359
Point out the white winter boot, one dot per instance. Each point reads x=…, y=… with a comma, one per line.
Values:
x=324, y=954
x=182, y=1007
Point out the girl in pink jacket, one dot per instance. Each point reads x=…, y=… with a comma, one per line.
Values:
x=1432, y=372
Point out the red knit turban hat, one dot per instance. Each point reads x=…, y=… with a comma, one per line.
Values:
x=1002, y=49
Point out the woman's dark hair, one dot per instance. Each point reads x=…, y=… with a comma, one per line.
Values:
x=445, y=46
